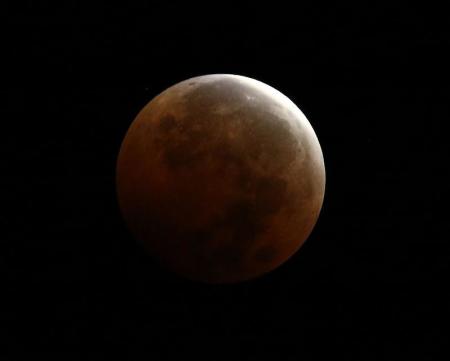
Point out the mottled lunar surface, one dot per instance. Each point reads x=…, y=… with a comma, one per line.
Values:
x=221, y=177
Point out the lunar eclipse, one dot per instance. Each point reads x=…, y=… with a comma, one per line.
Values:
x=221, y=177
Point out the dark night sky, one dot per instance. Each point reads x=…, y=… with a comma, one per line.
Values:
x=371, y=281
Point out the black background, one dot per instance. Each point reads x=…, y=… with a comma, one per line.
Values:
x=370, y=283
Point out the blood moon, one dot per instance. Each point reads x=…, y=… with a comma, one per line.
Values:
x=221, y=177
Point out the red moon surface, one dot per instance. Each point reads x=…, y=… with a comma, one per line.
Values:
x=221, y=177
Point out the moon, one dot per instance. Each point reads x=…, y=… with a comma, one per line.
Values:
x=221, y=177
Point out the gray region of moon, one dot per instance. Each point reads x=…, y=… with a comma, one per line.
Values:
x=221, y=177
